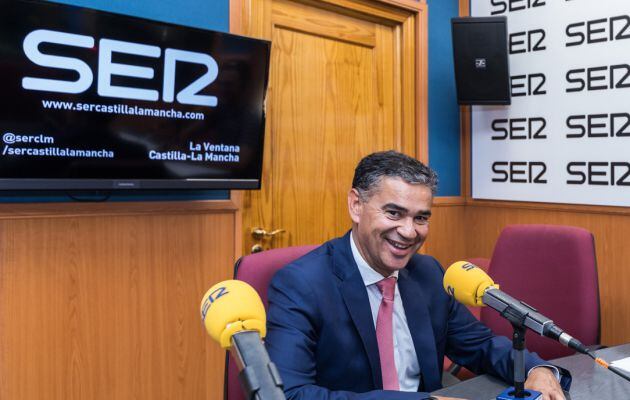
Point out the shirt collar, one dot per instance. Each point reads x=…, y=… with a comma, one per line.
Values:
x=368, y=274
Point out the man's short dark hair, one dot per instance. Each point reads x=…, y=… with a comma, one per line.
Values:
x=391, y=164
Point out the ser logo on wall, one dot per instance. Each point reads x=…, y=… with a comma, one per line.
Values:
x=504, y=6
x=108, y=68
x=566, y=136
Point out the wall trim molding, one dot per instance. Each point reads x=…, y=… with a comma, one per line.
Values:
x=449, y=201
x=569, y=208
x=11, y=211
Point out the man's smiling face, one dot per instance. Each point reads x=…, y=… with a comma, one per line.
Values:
x=390, y=226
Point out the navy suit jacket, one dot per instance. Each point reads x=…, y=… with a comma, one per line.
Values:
x=321, y=333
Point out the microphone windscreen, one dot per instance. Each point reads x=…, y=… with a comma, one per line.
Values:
x=467, y=283
x=232, y=306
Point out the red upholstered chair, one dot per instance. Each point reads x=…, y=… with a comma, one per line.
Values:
x=257, y=270
x=552, y=268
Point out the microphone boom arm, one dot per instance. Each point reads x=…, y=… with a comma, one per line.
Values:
x=522, y=314
x=517, y=312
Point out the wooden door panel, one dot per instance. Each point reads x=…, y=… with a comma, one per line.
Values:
x=334, y=120
x=287, y=14
x=337, y=92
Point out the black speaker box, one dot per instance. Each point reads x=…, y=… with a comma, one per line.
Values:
x=480, y=49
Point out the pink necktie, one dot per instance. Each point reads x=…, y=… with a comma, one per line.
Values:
x=385, y=334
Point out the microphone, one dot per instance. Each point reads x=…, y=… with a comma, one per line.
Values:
x=234, y=316
x=471, y=286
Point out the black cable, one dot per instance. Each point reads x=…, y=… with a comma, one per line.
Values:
x=618, y=371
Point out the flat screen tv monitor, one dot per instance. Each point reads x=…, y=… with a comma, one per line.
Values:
x=95, y=100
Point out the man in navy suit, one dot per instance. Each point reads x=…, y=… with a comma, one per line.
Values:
x=365, y=317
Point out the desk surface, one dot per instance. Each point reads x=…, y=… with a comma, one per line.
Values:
x=590, y=381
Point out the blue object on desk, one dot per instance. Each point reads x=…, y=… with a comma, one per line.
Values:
x=508, y=394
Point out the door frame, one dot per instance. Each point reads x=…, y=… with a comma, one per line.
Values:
x=412, y=18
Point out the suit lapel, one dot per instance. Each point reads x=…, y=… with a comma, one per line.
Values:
x=419, y=321
x=356, y=299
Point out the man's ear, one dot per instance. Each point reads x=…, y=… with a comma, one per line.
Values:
x=355, y=205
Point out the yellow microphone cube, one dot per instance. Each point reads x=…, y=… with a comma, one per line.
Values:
x=230, y=307
x=467, y=283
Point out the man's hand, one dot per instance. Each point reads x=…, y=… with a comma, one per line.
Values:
x=544, y=381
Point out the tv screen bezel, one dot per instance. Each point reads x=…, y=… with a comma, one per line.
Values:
x=36, y=184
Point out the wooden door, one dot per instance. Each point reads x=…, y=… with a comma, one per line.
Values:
x=347, y=78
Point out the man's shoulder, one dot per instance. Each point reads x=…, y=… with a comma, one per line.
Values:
x=425, y=266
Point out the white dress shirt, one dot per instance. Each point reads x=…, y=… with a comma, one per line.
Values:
x=404, y=353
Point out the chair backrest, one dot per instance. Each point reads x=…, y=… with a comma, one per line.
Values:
x=554, y=269
x=257, y=270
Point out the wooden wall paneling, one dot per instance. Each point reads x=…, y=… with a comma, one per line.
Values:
x=447, y=240
x=106, y=307
x=236, y=197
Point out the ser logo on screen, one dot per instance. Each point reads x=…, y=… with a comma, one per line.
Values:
x=108, y=68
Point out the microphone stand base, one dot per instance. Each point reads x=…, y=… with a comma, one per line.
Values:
x=509, y=394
